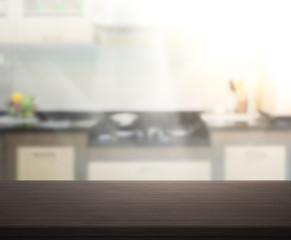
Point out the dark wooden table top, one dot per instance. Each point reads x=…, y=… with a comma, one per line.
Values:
x=145, y=208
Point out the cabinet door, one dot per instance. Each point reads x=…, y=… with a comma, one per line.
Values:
x=7, y=21
x=255, y=162
x=177, y=169
x=45, y=163
x=3, y=7
x=62, y=21
x=73, y=30
x=45, y=155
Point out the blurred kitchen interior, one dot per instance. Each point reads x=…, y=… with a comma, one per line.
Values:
x=145, y=90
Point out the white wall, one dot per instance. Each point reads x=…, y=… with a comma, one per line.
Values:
x=276, y=50
x=136, y=70
x=90, y=77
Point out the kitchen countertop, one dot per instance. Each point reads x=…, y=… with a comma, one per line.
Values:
x=40, y=129
x=213, y=124
x=8, y=124
x=241, y=125
x=146, y=209
x=261, y=122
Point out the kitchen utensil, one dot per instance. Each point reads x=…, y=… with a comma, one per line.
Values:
x=124, y=120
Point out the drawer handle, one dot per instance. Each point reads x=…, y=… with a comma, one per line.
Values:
x=44, y=154
x=256, y=154
x=149, y=170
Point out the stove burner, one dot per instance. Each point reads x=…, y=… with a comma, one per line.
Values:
x=154, y=128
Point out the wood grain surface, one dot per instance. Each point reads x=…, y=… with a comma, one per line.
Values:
x=242, y=209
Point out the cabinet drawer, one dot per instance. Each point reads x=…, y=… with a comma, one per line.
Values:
x=45, y=163
x=255, y=162
x=150, y=170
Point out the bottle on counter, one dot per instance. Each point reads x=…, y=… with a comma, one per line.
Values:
x=241, y=95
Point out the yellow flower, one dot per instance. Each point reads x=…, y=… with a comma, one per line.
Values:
x=16, y=97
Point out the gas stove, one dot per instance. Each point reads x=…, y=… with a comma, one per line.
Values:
x=152, y=128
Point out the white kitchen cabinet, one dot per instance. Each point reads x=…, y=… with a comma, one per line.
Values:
x=53, y=7
x=149, y=163
x=178, y=169
x=266, y=162
x=47, y=21
x=43, y=155
x=250, y=153
x=45, y=163
x=3, y=7
x=54, y=30
x=8, y=21
x=55, y=21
